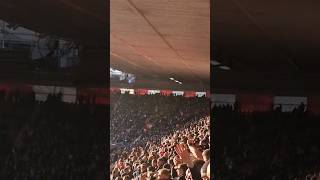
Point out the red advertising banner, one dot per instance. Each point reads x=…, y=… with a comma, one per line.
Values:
x=93, y=95
x=165, y=92
x=114, y=90
x=24, y=88
x=189, y=94
x=208, y=94
x=255, y=102
x=314, y=104
x=141, y=92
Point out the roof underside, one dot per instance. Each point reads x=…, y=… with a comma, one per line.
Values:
x=156, y=40
x=82, y=21
x=79, y=20
x=268, y=43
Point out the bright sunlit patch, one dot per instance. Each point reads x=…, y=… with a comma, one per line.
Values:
x=122, y=76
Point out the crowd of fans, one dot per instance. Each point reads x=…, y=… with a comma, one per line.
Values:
x=50, y=139
x=153, y=137
x=14, y=110
x=159, y=137
x=266, y=145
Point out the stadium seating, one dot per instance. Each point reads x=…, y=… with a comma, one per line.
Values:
x=265, y=145
x=159, y=137
x=41, y=140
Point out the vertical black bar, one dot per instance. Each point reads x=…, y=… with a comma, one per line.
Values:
x=212, y=120
x=107, y=135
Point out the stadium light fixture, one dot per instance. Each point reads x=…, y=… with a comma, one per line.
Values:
x=172, y=79
x=224, y=67
x=215, y=63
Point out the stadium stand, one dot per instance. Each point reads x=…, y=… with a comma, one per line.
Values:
x=266, y=145
x=40, y=141
x=159, y=137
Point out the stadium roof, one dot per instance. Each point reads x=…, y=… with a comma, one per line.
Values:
x=80, y=20
x=158, y=40
x=269, y=44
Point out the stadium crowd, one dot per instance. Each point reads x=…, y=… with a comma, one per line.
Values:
x=159, y=137
x=266, y=145
x=50, y=139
